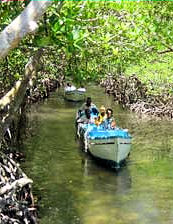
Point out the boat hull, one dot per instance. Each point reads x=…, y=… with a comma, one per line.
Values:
x=112, y=151
x=74, y=95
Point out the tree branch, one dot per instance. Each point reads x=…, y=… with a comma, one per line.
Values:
x=165, y=51
x=24, y=24
x=11, y=102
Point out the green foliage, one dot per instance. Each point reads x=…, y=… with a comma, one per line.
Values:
x=8, y=11
x=106, y=37
x=12, y=68
x=90, y=39
x=156, y=73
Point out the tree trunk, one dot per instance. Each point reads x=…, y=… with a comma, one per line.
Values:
x=24, y=24
x=12, y=101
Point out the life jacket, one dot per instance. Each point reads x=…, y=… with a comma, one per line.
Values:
x=100, y=119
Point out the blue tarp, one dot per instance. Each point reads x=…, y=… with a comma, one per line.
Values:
x=99, y=132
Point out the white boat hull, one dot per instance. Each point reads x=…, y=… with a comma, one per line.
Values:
x=114, y=150
x=74, y=95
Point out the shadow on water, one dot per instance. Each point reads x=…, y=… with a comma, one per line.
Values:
x=74, y=189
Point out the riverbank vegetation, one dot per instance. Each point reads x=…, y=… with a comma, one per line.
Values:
x=93, y=39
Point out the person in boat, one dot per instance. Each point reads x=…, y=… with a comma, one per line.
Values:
x=109, y=122
x=89, y=105
x=85, y=118
x=102, y=116
x=70, y=87
x=82, y=89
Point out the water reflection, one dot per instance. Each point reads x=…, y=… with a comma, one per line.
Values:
x=118, y=182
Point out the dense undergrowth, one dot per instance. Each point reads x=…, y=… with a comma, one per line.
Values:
x=156, y=73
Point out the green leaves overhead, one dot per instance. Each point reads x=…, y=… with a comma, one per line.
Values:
x=99, y=37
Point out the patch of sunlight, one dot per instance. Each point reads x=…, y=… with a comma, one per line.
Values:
x=85, y=193
x=97, y=219
x=132, y=216
x=107, y=215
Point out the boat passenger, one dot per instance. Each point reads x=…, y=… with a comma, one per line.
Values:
x=70, y=87
x=102, y=116
x=89, y=105
x=73, y=88
x=109, y=122
x=81, y=89
x=85, y=118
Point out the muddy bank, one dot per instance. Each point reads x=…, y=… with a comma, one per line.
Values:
x=130, y=92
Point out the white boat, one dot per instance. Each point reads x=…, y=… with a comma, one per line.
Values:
x=74, y=95
x=110, y=146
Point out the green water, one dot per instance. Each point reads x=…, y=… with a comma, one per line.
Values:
x=73, y=189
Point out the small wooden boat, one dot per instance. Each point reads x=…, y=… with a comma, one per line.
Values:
x=110, y=146
x=74, y=95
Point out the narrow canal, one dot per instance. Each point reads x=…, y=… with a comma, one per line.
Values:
x=72, y=189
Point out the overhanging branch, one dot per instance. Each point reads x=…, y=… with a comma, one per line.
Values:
x=24, y=24
x=165, y=51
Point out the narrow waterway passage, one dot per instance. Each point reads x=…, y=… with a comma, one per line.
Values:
x=73, y=189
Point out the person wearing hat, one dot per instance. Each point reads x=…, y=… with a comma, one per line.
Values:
x=102, y=116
